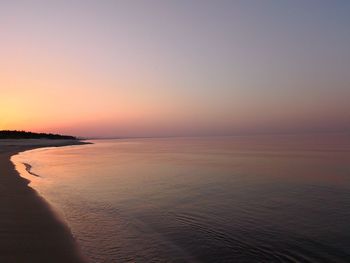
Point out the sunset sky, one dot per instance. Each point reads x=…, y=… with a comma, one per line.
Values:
x=159, y=68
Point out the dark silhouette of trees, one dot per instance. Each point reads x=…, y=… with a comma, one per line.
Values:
x=6, y=134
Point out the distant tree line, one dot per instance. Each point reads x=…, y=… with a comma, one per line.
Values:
x=6, y=134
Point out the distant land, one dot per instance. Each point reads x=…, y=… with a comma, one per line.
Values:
x=7, y=134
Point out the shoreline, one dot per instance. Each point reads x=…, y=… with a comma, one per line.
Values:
x=30, y=231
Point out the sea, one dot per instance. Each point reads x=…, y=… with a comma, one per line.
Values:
x=268, y=198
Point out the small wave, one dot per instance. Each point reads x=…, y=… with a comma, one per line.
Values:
x=29, y=169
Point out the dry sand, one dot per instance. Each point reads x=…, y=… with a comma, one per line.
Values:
x=29, y=230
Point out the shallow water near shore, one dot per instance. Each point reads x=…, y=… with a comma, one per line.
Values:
x=229, y=199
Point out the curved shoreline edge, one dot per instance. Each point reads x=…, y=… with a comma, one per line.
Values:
x=30, y=231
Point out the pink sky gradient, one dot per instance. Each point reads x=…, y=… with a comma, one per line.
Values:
x=131, y=68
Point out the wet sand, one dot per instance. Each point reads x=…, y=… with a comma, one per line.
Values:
x=29, y=230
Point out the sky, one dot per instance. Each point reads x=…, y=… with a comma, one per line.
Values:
x=166, y=68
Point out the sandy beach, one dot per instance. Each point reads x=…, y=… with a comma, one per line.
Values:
x=29, y=230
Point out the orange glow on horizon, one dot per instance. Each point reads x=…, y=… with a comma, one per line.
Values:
x=93, y=70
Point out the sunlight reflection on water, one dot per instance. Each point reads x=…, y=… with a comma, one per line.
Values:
x=267, y=198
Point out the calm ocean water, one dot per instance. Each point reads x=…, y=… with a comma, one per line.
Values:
x=232, y=199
